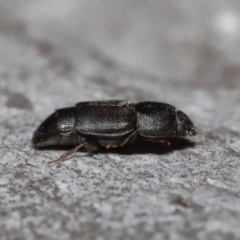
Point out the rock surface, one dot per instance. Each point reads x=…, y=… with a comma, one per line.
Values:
x=56, y=53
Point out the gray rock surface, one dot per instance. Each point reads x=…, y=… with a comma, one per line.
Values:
x=56, y=53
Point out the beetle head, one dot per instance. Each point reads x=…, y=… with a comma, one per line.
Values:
x=184, y=125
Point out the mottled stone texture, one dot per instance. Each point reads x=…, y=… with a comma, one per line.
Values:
x=56, y=53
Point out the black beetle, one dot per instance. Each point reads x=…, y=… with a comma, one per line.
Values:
x=111, y=124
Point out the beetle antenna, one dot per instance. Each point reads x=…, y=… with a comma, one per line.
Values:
x=67, y=154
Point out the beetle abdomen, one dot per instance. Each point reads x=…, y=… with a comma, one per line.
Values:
x=105, y=119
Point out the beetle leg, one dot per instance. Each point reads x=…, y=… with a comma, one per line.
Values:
x=165, y=141
x=161, y=140
x=67, y=154
x=120, y=143
x=92, y=146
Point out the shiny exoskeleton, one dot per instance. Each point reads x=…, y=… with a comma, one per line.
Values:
x=111, y=124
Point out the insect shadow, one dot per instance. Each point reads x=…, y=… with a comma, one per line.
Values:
x=158, y=148
x=139, y=147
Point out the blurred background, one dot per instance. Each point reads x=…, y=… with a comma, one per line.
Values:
x=56, y=53
x=195, y=42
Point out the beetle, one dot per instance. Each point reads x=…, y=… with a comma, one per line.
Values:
x=111, y=124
